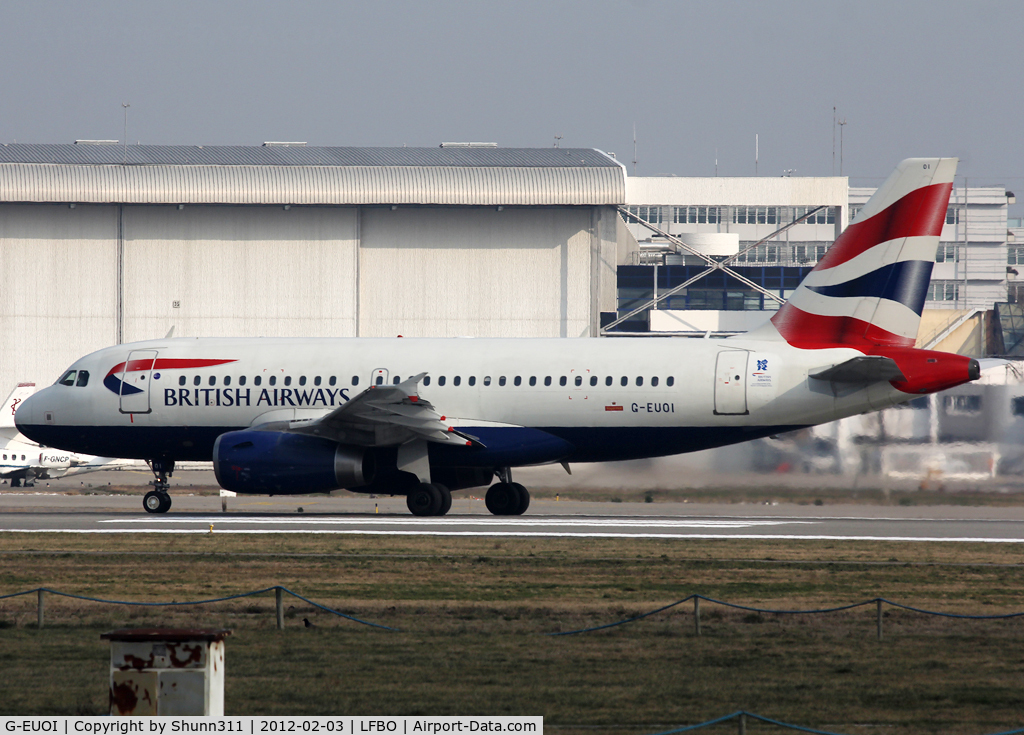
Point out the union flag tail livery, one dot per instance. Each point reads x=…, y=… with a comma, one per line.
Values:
x=423, y=417
x=869, y=289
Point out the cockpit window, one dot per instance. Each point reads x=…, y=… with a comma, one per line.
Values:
x=83, y=378
x=67, y=378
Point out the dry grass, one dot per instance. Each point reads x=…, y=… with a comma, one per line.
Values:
x=473, y=614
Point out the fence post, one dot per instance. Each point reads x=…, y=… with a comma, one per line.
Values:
x=696, y=615
x=39, y=607
x=280, y=608
x=743, y=723
x=878, y=617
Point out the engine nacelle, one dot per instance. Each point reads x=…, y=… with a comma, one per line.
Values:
x=276, y=462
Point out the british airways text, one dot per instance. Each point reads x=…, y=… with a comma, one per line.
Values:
x=325, y=397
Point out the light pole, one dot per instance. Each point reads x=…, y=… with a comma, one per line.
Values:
x=125, y=105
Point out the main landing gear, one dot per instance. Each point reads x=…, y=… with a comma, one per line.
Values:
x=507, y=498
x=157, y=500
x=429, y=499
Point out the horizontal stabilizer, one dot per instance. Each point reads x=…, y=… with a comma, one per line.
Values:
x=863, y=369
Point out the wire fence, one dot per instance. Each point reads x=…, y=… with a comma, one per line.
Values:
x=279, y=592
x=742, y=717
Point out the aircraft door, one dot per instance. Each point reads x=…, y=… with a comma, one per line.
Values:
x=731, y=382
x=379, y=377
x=135, y=380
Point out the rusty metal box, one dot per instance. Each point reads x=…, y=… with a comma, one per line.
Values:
x=162, y=671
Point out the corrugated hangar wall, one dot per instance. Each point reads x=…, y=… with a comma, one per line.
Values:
x=74, y=280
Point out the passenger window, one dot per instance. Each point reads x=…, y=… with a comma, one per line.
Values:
x=457, y=380
x=654, y=382
x=316, y=380
x=196, y=380
x=533, y=380
x=561, y=380
x=624, y=381
x=213, y=380
x=355, y=380
x=593, y=380
x=273, y=380
x=440, y=381
x=227, y=380
x=302, y=380
x=67, y=378
x=426, y=380
x=608, y=380
x=518, y=380
x=257, y=380
x=639, y=381
x=487, y=380
x=241, y=380
x=396, y=380
x=181, y=380
x=670, y=381
x=472, y=380
x=501, y=380
x=579, y=380
x=547, y=380
x=287, y=379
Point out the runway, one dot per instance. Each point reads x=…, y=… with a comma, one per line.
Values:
x=26, y=512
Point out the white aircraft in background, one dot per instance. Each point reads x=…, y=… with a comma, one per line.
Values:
x=24, y=461
x=422, y=417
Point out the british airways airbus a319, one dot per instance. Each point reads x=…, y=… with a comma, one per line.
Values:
x=423, y=417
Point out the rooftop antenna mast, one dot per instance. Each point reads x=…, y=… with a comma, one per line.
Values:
x=557, y=138
x=756, y=151
x=125, y=105
x=841, y=123
x=634, y=149
x=833, y=140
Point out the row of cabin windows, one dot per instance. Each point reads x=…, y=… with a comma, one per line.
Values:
x=15, y=457
x=441, y=380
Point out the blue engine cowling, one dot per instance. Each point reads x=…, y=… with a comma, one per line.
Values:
x=276, y=462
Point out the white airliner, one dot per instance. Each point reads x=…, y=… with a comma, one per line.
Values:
x=422, y=417
x=24, y=461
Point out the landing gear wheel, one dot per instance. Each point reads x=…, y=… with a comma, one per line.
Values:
x=425, y=500
x=155, y=502
x=446, y=499
x=524, y=499
x=15, y=482
x=503, y=498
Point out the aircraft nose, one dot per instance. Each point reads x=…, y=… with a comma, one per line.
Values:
x=30, y=413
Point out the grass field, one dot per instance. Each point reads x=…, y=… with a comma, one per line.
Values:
x=473, y=615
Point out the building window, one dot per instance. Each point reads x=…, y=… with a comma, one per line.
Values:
x=826, y=216
x=952, y=215
x=809, y=252
x=1015, y=254
x=943, y=291
x=947, y=253
x=755, y=215
x=696, y=215
x=647, y=214
x=855, y=210
x=961, y=404
x=760, y=254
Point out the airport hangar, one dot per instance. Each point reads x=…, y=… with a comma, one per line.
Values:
x=101, y=244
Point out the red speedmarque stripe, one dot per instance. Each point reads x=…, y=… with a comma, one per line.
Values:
x=167, y=363
x=813, y=331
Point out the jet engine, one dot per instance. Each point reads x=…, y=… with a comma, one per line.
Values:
x=277, y=462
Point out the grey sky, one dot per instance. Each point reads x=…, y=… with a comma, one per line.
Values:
x=920, y=78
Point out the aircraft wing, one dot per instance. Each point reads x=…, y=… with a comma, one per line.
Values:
x=384, y=415
x=864, y=369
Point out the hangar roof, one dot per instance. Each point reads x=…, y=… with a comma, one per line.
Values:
x=279, y=174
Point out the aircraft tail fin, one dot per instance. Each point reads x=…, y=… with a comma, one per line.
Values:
x=19, y=394
x=870, y=288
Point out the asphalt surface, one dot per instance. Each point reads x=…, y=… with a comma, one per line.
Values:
x=49, y=510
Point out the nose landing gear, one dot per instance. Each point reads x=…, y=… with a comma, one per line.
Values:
x=158, y=500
